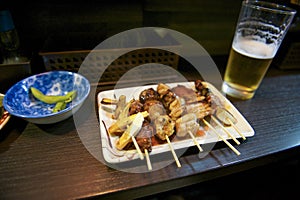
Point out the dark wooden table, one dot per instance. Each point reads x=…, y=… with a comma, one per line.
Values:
x=52, y=162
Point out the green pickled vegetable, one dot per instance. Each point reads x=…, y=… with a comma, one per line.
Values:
x=52, y=99
x=59, y=100
x=59, y=106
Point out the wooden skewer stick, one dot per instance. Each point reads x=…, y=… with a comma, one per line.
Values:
x=226, y=131
x=220, y=136
x=137, y=148
x=237, y=130
x=148, y=160
x=173, y=152
x=195, y=141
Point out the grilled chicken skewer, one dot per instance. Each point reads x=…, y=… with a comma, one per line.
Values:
x=228, y=119
x=148, y=160
x=168, y=110
x=164, y=127
x=143, y=139
x=182, y=100
x=185, y=124
x=220, y=136
x=173, y=151
x=236, y=128
x=225, y=130
x=206, y=106
x=195, y=141
x=136, y=145
x=188, y=124
x=163, y=124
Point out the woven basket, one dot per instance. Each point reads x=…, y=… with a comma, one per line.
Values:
x=72, y=61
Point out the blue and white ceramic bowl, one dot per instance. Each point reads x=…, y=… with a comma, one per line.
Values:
x=19, y=101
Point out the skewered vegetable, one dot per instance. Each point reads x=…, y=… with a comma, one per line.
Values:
x=130, y=132
x=121, y=103
x=120, y=125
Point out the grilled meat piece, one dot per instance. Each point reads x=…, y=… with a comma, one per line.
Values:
x=164, y=125
x=150, y=103
x=148, y=94
x=187, y=94
x=202, y=90
x=143, y=138
x=200, y=109
x=187, y=123
x=135, y=107
x=162, y=89
x=156, y=110
x=212, y=100
x=168, y=98
x=200, y=87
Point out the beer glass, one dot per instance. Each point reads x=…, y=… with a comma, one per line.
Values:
x=259, y=32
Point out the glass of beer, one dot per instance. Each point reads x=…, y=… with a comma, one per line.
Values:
x=259, y=32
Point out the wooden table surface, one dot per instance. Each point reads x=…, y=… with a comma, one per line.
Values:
x=52, y=161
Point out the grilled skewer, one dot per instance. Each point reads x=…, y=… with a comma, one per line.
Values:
x=108, y=101
x=172, y=151
x=121, y=125
x=221, y=137
x=167, y=111
x=164, y=126
x=228, y=120
x=235, y=127
x=195, y=141
x=186, y=123
x=130, y=132
x=143, y=139
x=225, y=130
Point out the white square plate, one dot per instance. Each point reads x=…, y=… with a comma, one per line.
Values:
x=112, y=155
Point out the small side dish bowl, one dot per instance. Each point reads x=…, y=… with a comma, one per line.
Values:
x=20, y=102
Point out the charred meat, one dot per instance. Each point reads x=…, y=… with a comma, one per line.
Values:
x=135, y=107
x=148, y=94
x=143, y=138
x=164, y=126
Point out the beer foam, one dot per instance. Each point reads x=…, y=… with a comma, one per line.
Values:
x=254, y=49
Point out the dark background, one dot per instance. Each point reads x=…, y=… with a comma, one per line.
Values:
x=84, y=24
